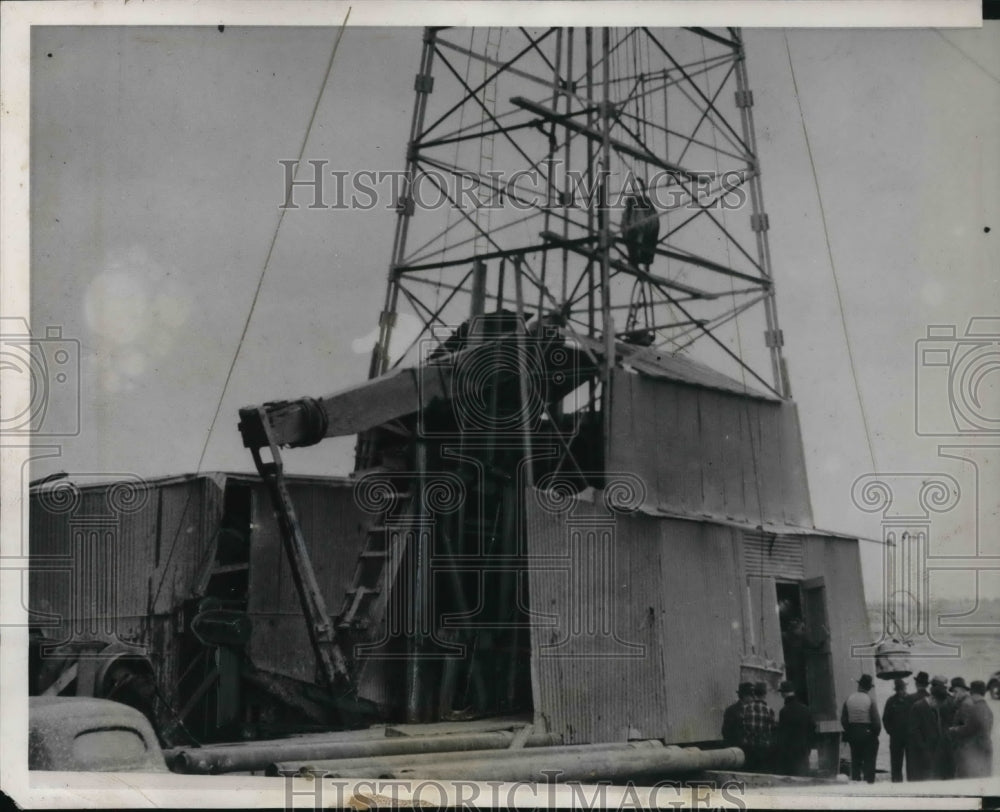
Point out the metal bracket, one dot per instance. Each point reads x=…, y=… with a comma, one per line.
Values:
x=774, y=338
x=423, y=83
x=406, y=206
x=329, y=658
x=744, y=98
x=760, y=222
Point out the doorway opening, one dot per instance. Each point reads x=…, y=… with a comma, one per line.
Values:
x=794, y=640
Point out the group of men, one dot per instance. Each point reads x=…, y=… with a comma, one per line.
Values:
x=939, y=732
x=779, y=745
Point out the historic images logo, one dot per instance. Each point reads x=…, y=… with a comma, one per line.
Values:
x=323, y=188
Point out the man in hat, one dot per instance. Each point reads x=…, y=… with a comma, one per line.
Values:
x=894, y=715
x=958, y=692
x=732, y=719
x=798, y=643
x=971, y=732
x=913, y=766
x=861, y=723
x=795, y=734
x=927, y=751
x=758, y=731
x=960, y=695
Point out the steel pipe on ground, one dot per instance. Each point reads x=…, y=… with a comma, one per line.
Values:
x=247, y=756
x=365, y=767
x=542, y=766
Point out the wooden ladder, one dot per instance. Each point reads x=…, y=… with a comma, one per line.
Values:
x=365, y=603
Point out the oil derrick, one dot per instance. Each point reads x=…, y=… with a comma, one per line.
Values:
x=579, y=326
x=574, y=200
x=525, y=146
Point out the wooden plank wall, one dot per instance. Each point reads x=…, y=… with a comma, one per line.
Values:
x=702, y=636
x=334, y=529
x=838, y=561
x=708, y=453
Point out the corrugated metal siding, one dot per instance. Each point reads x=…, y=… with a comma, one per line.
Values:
x=334, y=529
x=49, y=589
x=708, y=453
x=838, y=561
x=778, y=556
x=108, y=540
x=668, y=586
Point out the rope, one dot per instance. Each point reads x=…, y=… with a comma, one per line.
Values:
x=963, y=53
x=253, y=304
x=274, y=239
x=833, y=267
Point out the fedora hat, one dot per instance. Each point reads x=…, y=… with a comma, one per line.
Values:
x=865, y=682
x=958, y=682
x=977, y=686
x=786, y=688
x=745, y=689
x=922, y=678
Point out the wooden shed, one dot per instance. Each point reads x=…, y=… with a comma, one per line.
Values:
x=137, y=572
x=669, y=596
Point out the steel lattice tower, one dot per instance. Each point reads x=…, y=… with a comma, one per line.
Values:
x=524, y=147
x=578, y=205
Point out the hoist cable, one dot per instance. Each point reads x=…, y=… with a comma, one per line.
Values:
x=253, y=303
x=833, y=267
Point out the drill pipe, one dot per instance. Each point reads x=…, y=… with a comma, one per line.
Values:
x=541, y=766
x=366, y=767
x=242, y=757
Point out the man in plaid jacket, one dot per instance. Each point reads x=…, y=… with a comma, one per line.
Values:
x=758, y=731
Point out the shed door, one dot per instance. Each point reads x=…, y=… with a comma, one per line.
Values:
x=819, y=665
x=765, y=629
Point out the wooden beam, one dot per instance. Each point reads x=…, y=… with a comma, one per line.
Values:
x=624, y=267
x=351, y=410
x=60, y=682
x=701, y=262
x=588, y=132
x=704, y=32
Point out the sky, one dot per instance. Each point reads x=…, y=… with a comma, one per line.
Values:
x=155, y=194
